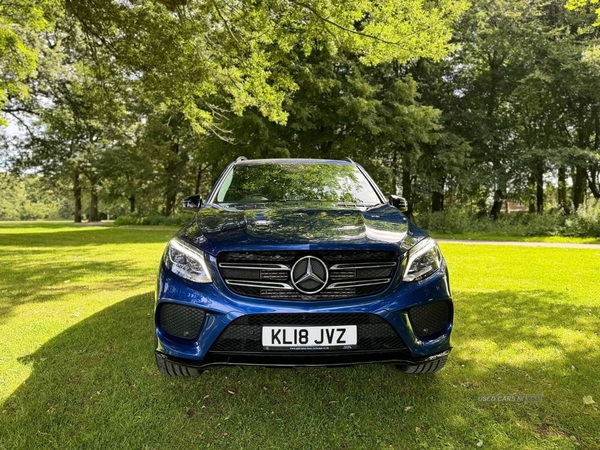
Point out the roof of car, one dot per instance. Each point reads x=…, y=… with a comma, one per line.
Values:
x=292, y=161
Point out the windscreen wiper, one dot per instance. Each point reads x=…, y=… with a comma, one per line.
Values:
x=298, y=201
x=355, y=204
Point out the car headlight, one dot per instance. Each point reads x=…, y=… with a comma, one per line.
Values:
x=423, y=259
x=186, y=261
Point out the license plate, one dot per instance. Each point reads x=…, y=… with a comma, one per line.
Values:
x=322, y=338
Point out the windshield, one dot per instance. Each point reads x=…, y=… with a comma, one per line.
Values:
x=296, y=182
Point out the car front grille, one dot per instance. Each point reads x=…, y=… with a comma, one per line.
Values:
x=268, y=274
x=429, y=319
x=245, y=333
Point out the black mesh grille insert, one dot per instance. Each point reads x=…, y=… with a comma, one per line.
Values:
x=365, y=274
x=272, y=267
x=245, y=334
x=427, y=320
x=180, y=321
x=287, y=256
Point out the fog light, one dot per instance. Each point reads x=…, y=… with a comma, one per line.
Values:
x=180, y=321
x=429, y=319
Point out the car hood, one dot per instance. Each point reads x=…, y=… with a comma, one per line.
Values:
x=299, y=227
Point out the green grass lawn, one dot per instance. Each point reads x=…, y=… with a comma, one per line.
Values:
x=77, y=365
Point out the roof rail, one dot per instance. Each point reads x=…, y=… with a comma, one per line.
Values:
x=241, y=158
x=348, y=159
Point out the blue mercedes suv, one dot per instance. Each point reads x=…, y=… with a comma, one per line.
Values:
x=301, y=262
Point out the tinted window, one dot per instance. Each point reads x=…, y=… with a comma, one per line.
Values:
x=296, y=182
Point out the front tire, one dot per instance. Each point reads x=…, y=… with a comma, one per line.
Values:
x=427, y=367
x=171, y=369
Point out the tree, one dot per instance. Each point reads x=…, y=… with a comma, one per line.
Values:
x=188, y=51
x=519, y=92
x=78, y=114
x=21, y=21
x=180, y=68
x=341, y=109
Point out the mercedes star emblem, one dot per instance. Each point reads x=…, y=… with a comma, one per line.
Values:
x=309, y=275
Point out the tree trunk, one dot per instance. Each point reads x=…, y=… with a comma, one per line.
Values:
x=593, y=169
x=77, y=195
x=497, y=206
x=579, y=187
x=198, y=179
x=437, y=201
x=94, y=216
x=539, y=189
x=539, y=197
x=594, y=187
x=174, y=170
x=407, y=190
x=530, y=193
x=170, y=200
x=562, y=190
x=395, y=171
x=131, y=203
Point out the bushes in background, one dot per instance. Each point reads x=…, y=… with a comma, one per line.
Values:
x=585, y=222
x=30, y=198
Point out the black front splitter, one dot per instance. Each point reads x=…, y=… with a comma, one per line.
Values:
x=296, y=360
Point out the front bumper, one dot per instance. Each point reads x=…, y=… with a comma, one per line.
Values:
x=222, y=307
x=338, y=359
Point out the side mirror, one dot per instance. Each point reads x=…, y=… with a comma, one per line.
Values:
x=192, y=203
x=399, y=202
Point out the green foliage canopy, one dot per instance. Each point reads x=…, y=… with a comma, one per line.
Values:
x=21, y=22
x=188, y=51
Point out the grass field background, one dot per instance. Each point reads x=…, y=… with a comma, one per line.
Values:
x=77, y=367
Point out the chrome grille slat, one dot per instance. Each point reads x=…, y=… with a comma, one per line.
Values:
x=254, y=266
x=267, y=274
x=259, y=284
x=358, y=283
x=361, y=266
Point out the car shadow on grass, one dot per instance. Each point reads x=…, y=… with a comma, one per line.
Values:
x=96, y=386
